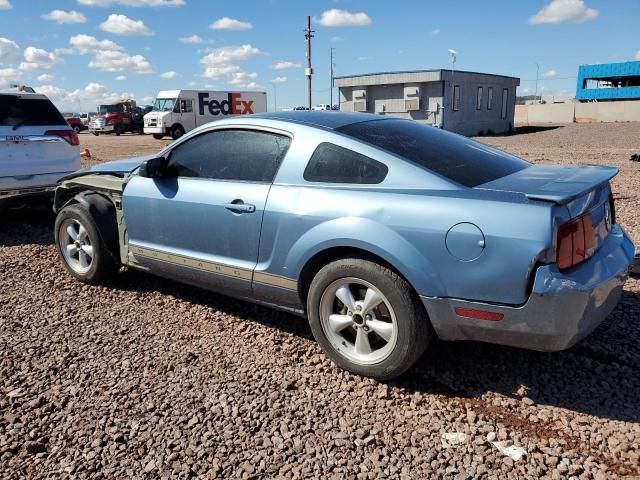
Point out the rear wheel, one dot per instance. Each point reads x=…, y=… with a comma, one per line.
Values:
x=80, y=246
x=367, y=319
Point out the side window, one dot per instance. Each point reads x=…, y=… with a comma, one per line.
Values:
x=505, y=99
x=186, y=106
x=479, y=99
x=456, y=98
x=490, y=98
x=333, y=164
x=241, y=155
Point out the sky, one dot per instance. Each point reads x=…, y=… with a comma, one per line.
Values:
x=84, y=52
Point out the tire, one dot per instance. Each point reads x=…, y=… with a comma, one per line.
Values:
x=396, y=328
x=117, y=130
x=96, y=133
x=98, y=266
x=158, y=136
x=76, y=129
x=176, y=131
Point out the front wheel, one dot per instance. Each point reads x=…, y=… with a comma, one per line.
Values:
x=76, y=128
x=117, y=130
x=80, y=246
x=367, y=319
x=177, y=131
x=158, y=136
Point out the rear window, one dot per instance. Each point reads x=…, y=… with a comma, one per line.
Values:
x=17, y=111
x=457, y=158
x=333, y=164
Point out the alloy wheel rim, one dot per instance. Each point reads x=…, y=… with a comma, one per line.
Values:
x=75, y=245
x=358, y=321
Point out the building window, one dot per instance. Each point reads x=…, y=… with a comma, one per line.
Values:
x=490, y=98
x=479, y=99
x=505, y=99
x=456, y=98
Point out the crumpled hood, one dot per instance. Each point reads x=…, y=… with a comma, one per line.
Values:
x=116, y=167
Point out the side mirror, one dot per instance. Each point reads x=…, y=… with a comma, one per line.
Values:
x=153, y=168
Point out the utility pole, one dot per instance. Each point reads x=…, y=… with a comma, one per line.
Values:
x=535, y=95
x=331, y=86
x=308, y=35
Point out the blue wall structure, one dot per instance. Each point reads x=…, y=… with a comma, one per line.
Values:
x=609, y=71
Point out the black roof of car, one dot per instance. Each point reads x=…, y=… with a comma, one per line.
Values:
x=320, y=118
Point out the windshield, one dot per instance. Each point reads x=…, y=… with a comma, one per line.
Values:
x=164, y=104
x=110, y=109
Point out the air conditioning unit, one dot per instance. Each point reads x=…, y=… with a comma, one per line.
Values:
x=412, y=104
x=360, y=106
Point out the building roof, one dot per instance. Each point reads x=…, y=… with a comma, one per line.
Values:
x=406, y=76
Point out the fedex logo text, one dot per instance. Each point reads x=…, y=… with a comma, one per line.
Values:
x=233, y=105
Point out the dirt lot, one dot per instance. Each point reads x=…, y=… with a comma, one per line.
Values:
x=149, y=379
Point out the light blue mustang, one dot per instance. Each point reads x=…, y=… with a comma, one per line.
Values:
x=383, y=232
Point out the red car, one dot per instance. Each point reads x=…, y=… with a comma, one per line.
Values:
x=75, y=123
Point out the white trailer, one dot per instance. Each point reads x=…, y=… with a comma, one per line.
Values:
x=175, y=112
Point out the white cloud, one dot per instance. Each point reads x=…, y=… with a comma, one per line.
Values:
x=46, y=77
x=284, y=65
x=114, y=61
x=132, y=3
x=121, y=77
x=223, y=62
x=60, y=17
x=9, y=50
x=435, y=32
x=550, y=74
x=86, y=98
x=226, y=23
x=243, y=79
x=279, y=80
x=364, y=59
x=86, y=43
x=342, y=18
x=169, y=75
x=35, y=58
x=119, y=24
x=95, y=88
x=191, y=39
x=5, y=5
x=9, y=75
x=638, y=55
x=564, y=11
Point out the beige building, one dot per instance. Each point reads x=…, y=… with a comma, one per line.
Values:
x=469, y=103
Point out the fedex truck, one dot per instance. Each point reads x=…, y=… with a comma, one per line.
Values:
x=175, y=112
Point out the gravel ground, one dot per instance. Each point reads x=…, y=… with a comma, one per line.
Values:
x=147, y=378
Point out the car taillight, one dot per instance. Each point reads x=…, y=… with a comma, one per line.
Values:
x=575, y=241
x=69, y=135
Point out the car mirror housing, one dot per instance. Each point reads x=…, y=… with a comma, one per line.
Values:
x=153, y=168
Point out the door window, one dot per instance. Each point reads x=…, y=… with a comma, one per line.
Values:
x=186, y=106
x=241, y=155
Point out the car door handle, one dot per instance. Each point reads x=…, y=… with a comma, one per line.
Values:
x=238, y=206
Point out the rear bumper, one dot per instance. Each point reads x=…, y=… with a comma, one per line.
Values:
x=563, y=308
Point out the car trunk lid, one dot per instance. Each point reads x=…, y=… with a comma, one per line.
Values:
x=584, y=213
x=551, y=183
